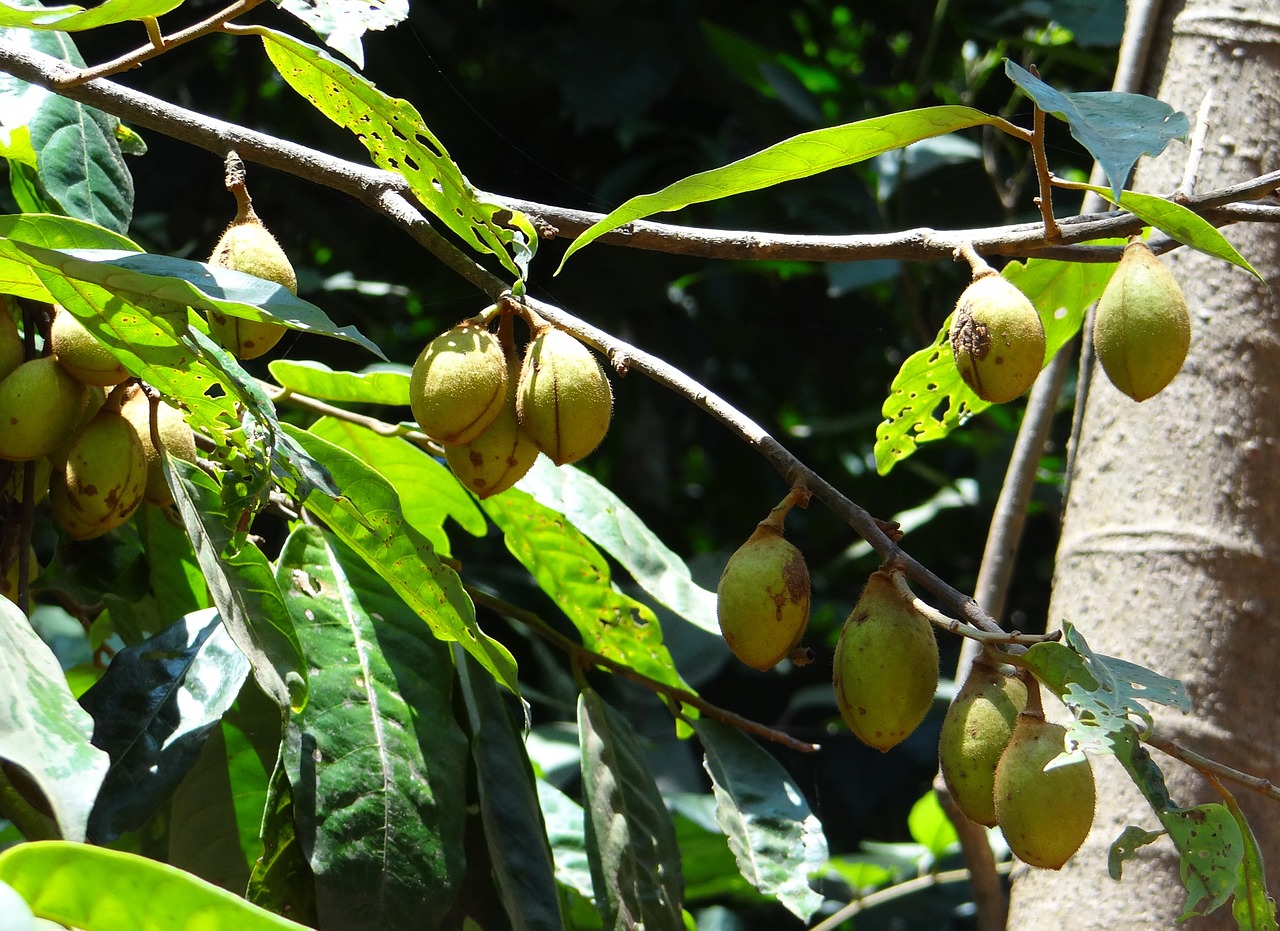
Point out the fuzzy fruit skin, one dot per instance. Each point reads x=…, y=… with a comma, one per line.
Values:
x=1142, y=327
x=497, y=458
x=886, y=666
x=975, y=733
x=103, y=480
x=997, y=339
x=763, y=598
x=40, y=405
x=459, y=384
x=564, y=400
x=176, y=437
x=80, y=353
x=248, y=246
x=1045, y=816
x=11, y=349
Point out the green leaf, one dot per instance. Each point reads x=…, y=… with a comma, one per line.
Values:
x=577, y=577
x=564, y=819
x=42, y=728
x=514, y=832
x=386, y=385
x=631, y=843
x=72, y=18
x=1252, y=908
x=96, y=889
x=399, y=140
x=370, y=520
x=928, y=398
x=428, y=491
x=1116, y=128
x=930, y=826
x=282, y=880
x=798, y=157
x=1180, y=223
x=776, y=840
x=610, y=524
x=175, y=577
x=1126, y=846
x=378, y=771
x=55, y=232
x=1212, y=850
x=342, y=24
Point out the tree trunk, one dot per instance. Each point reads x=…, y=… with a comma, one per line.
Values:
x=1170, y=550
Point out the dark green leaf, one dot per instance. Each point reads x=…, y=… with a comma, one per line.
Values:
x=1126, y=846
x=776, y=840
x=513, y=828
x=369, y=519
x=378, y=770
x=1252, y=907
x=382, y=385
x=1116, y=128
x=152, y=712
x=564, y=819
x=42, y=729
x=282, y=880
x=631, y=842
x=1212, y=850
x=175, y=575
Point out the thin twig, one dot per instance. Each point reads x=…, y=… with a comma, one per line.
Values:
x=896, y=891
x=1195, y=154
x=583, y=656
x=1208, y=767
x=279, y=395
x=1045, y=200
x=951, y=625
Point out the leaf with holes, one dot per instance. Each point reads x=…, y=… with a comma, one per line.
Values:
x=1212, y=850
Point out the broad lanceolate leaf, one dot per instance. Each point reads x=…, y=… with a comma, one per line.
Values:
x=610, y=524
x=564, y=819
x=153, y=710
x=1252, y=907
x=576, y=576
x=282, y=880
x=341, y=23
x=631, y=842
x=514, y=831
x=370, y=520
x=55, y=232
x=378, y=769
x=97, y=889
x=928, y=398
x=1212, y=850
x=1116, y=128
x=398, y=140
x=776, y=840
x=383, y=385
x=429, y=492
x=72, y=18
x=798, y=157
x=42, y=729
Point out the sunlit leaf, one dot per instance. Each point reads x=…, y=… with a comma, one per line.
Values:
x=341, y=23
x=1212, y=850
x=1252, y=907
x=1126, y=847
x=381, y=386
x=72, y=18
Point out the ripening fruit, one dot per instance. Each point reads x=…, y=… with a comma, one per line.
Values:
x=459, y=384
x=176, y=437
x=975, y=732
x=762, y=600
x=80, y=353
x=11, y=349
x=997, y=339
x=565, y=401
x=1142, y=328
x=1044, y=815
x=497, y=458
x=40, y=405
x=103, y=480
x=886, y=665
x=247, y=246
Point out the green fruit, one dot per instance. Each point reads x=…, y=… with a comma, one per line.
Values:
x=1045, y=815
x=565, y=401
x=80, y=353
x=247, y=246
x=12, y=352
x=975, y=732
x=886, y=665
x=12, y=489
x=103, y=480
x=763, y=597
x=497, y=458
x=459, y=384
x=40, y=405
x=1141, y=328
x=176, y=437
x=997, y=339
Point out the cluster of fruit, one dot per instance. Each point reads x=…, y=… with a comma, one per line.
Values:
x=1141, y=330
x=493, y=413
x=994, y=744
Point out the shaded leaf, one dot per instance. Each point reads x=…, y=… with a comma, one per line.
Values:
x=1116, y=128
x=72, y=883
x=631, y=842
x=1252, y=908
x=776, y=840
x=42, y=728
x=798, y=157
x=386, y=385
x=282, y=881
x=1126, y=846
x=341, y=23
x=153, y=709
x=378, y=767
x=369, y=519
x=610, y=524
x=564, y=820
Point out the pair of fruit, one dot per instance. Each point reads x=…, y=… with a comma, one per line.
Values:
x=993, y=752
x=1141, y=330
x=494, y=416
